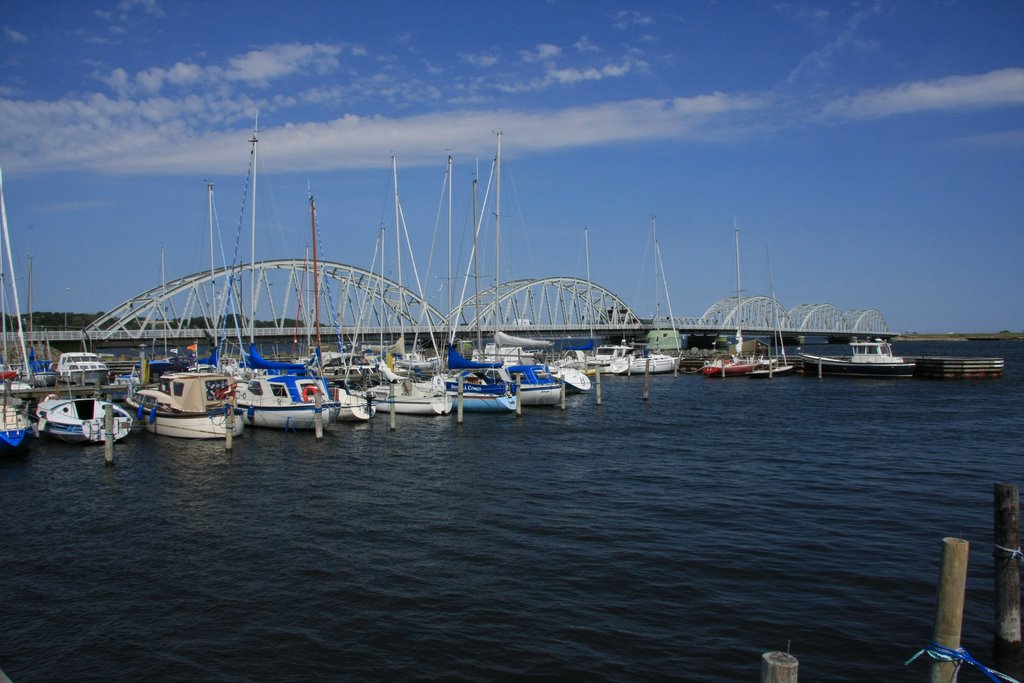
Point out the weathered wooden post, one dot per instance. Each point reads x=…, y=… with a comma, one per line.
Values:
x=392, y=411
x=108, y=434
x=778, y=667
x=563, y=392
x=647, y=378
x=318, y=416
x=458, y=412
x=519, y=396
x=143, y=366
x=1007, y=570
x=597, y=381
x=229, y=423
x=949, y=610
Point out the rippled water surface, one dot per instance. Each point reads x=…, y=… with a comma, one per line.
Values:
x=674, y=538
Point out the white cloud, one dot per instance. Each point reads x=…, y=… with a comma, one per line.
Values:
x=1004, y=87
x=485, y=60
x=629, y=18
x=540, y=53
x=14, y=36
x=259, y=67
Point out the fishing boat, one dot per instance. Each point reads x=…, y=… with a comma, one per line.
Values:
x=81, y=420
x=188, y=406
x=606, y=354
x=868, y=359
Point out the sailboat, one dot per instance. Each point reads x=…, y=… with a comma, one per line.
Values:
x=737, y=364
x=16, y=433
x=774, y=366
x=650, y=361
x=290, y=398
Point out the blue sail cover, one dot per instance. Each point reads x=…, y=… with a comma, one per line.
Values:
x=255, y=360
x=589, y=346
x=456, y=361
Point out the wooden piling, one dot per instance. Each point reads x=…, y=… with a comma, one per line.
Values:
x=108, y=434
x=1007, y=568
x=562, y=396
x=949, y=608
x=392, y=410
x=519, y=396
x=458, y=402
x=778, y=667
x=229, y=423
x=318, y=416
x=597, y=381
x=647, y=378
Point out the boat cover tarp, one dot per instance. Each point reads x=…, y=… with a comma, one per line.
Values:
x=589, y=346
x=258, y=362
x=502, y=339
x=456, y=361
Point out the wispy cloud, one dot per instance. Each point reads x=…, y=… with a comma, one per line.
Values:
x=1004, y=87
x=820, y=61
x=14, y=36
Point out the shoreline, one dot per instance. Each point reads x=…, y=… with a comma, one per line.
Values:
x=959, y=336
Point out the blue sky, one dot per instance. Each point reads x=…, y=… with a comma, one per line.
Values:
x=872, y=152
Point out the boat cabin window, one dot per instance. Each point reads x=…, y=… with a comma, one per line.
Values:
x=255, y=389
x=279, y=390
x=178, y=388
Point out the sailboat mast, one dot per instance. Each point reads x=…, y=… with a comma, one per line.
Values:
x=739, y=295
x=657, y=298
x=590, y=286
x=14, y=280
x=316, y=273
x=448, y=286
x=497, y=237
x=476, y=270
x=252, y=241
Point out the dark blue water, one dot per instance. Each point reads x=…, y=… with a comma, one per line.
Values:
x=675, y=538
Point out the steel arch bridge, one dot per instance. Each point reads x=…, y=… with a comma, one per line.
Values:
x=281, y=292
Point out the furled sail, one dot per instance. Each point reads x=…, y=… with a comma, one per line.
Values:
x=502, y=339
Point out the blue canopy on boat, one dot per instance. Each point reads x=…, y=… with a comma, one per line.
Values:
x=589, y=346
x=255, y=360
x=456, y=361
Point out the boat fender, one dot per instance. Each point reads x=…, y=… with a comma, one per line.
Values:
x=42, y=424
x=251, y=413
x=152, y=415
x=140, y=412
x=308, y=393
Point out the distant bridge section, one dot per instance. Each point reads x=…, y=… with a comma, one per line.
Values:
x=275, y=299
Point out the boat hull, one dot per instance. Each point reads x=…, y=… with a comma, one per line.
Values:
x=290, y=417
x=212, y=425
x=729, y=369
x=81, y=420
x=841, y=367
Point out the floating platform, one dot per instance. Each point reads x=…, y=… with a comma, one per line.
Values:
x=952, y=368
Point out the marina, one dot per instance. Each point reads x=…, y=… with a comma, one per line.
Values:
x=668, y=538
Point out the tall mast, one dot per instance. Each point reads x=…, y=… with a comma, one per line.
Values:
x=209, y=218
x=497, y=236
x=739, y=295
x=657, y=299
x=590, y=286
x=476, y=271
x=398, y=245
x=14, y=280
x=316, y=273
x=448, y=286
x=252, y=246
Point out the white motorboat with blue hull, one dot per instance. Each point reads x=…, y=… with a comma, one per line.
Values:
x=868, y=359
x=81, y=420
x=286, y=402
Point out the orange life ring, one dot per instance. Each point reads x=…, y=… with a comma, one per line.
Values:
x=308, y=393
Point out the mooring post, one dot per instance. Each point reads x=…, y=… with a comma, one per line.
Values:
x=597, y=381
x=778, y=667
x=392, y=423
x=229, y=423
x=562, y=396
x=458, y=412
x=1007, y=569
x=318, y=416
x=108, y=434
x=949, y=608
x=647, y=378
x=519, y=396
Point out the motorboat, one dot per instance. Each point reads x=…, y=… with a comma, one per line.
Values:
x=652, y=363
x=605, y=354
x=731, y=366
x=81, y=420
x=188, y=405
x=536, y=385
x=575, y=379
x=868, y=359
x=286, y=402
x=81, y=368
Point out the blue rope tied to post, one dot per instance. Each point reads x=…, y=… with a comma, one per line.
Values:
x=959, y=656
x=1013, y=554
